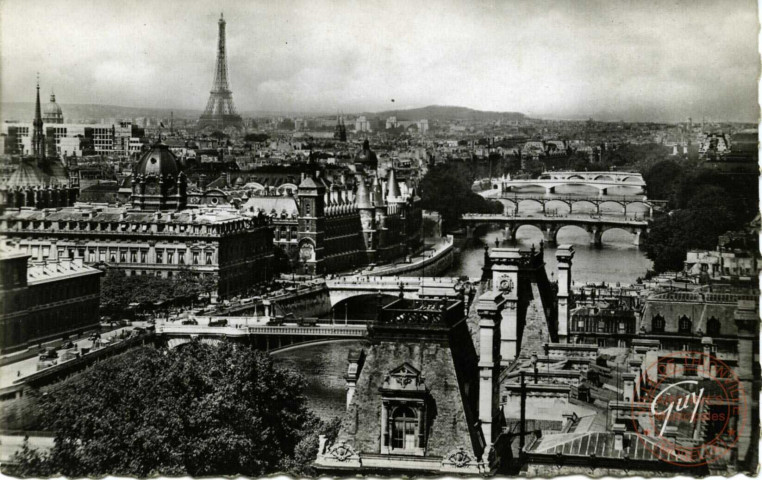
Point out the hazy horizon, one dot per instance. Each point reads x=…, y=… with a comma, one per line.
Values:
x=660, y=61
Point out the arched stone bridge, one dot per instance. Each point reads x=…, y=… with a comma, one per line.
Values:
x=345, y=287
x=570, y=201
x=602, y=181
x=551, y=225
x=263, y=336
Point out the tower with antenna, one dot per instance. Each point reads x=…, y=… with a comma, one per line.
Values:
x=220, y=113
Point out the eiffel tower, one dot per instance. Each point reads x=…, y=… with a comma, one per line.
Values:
x=220, y=113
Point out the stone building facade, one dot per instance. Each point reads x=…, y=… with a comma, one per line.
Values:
x=155, y=235
x=45, y=300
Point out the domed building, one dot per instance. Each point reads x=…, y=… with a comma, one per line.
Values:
x=52, y=112
x=365, y=159
x=157, y=182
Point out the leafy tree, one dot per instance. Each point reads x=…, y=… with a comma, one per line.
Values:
x=198, y=410
x=662, y=179
x=711, y=214
x=29, y=462
x=446, y=188
x=256, y=137
x=218, y=135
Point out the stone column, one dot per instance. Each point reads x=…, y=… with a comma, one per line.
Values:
x=505, y=280
x=564, y=255
x=489, y=306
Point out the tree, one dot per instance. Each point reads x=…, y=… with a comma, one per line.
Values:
x=256, y=137
x=198, y=410
x=446, y=188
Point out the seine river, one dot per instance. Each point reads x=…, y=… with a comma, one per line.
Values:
x=618, y=260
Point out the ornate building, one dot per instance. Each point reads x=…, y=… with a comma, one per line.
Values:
x=375, y=224
x=157, y=182
x=220, y=113
x=52, y=113
x=155, y=235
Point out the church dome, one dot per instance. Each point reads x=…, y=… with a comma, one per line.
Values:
x=366, y=157
x=52, y=112
x=159, y=161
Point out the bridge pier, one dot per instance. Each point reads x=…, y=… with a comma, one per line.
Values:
x=596, y=237
x=510, y=234
x=602, y=192
x=549, y=236
x=548, y=191
x=636, y=240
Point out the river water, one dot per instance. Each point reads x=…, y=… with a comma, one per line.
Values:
x=618, y=260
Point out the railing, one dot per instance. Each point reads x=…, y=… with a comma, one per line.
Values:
x=317, y=330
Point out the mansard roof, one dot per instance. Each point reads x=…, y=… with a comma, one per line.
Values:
x=455, y=419
x=90, y=213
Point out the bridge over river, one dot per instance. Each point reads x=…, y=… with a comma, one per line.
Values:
x=603, y=182
x=571, y=201
x=267, y=330
x=550, y=225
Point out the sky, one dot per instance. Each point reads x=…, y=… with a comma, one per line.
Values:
x=639, y=60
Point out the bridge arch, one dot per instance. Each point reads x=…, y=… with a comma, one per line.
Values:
x=575, y=177
x=341, y=299
x=515, y=229
x=604, y=178
x=631, y=231
x=309, y=343
x=632, y=178
x=566, y=227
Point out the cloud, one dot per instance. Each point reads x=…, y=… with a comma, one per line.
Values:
x=646, y=60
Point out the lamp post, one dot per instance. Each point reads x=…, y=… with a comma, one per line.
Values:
x=534, y=366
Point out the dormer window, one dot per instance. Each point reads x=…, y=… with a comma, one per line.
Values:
x=657, y=324
x=684, y=324
x=404, y=423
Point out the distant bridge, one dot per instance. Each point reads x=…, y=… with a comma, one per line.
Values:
x=624, y=201
x=602, y=181
x=345, y=287
x=551, y=225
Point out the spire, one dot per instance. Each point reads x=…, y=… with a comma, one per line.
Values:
x=392, y=187
x=377, y=192
x=363, y=199
x=37, y=109
x=38, y=140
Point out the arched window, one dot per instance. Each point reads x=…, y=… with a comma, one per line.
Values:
x=404, y=429
x=657, y=324
x=684, y=324
x=713, y=327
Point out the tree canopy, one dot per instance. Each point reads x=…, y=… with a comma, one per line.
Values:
x=119, y=290
x=446, y=188
x=197, y=410
x=706, y=204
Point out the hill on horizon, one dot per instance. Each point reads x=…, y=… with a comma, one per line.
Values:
x=445, y=112
x=73, y=113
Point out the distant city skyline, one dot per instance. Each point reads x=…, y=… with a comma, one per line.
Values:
x=640, y=61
